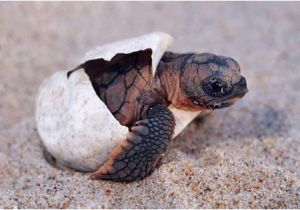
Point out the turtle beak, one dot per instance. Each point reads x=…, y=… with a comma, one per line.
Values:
x=240, y=89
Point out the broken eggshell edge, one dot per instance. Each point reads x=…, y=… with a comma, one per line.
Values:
x=159, y=42
x=75, y=126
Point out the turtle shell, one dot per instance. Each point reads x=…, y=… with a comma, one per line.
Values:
x=74, y=125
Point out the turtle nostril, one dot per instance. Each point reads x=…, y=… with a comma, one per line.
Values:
x=243, y=82
x=242, y=87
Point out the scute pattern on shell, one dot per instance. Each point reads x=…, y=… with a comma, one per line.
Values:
x=119, y=82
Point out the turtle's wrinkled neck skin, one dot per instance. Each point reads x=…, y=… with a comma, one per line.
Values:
x=200, y=81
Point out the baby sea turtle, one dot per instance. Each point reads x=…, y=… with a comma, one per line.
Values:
x=151, y=92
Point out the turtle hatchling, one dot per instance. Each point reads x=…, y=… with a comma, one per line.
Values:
x=117, y=112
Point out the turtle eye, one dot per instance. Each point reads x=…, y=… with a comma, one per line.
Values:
x=215, y=87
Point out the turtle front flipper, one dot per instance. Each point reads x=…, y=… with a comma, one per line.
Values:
x=136, y=156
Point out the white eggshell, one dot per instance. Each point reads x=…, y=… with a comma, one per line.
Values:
x=75, y=126
x=183, y=118
x=159, y=42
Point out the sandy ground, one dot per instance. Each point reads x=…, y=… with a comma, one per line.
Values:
x=246, y=156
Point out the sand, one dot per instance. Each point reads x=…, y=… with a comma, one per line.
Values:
x=245, y=156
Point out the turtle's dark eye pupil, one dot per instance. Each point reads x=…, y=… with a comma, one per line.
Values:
x=215, y=87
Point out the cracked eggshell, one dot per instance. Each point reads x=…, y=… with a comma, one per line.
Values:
x=159, y=42
x=75, y=126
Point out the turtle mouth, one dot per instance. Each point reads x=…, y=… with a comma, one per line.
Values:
x=223, y=104
x=238, y=91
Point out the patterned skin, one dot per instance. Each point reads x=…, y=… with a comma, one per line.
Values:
x=140, y=100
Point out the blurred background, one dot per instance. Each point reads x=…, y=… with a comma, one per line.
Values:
x=258, y=138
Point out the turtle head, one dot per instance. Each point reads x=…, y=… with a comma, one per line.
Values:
x=209, y=81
